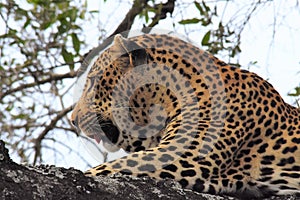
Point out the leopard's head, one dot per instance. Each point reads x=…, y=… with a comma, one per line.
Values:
x=114, y=107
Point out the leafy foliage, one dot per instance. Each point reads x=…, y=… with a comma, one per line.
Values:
x=219, y=39
x=39, y=48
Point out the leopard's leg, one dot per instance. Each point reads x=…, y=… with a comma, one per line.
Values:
x=261, y=170
x=199, y=176
x=189, y=158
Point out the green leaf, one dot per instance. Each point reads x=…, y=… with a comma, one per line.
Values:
x=68, y=58
x=189, y=21
x=207, y=9
x=199, y=8
x=146, y=16
x=46, y=25
x=9, y=107
x=20, y=116
x=76, y=42
x=28, y=21
x=93, y=11
x=63, y=5
x=205, y=39
x=72, y=13
x=83, y=10
x=297, y=93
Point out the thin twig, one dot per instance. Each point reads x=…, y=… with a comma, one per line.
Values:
x=54, y=77
x=49, y=127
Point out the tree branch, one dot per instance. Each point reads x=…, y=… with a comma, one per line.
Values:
x=54, y=77
x=49, y=127
x=137, y=8
x=162, y=10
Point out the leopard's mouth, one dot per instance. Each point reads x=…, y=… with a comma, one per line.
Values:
x=110, y=136
x=111, y=132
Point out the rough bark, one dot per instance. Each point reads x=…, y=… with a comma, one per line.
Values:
x=50, y=182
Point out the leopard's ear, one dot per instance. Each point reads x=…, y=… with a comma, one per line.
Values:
x=127, y=49
x=122, y=45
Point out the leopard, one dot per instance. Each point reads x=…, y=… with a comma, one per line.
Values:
x=183, y=114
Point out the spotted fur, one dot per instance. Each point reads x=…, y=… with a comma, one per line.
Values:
x=185, y=115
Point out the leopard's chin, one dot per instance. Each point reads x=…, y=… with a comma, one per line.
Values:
x=110, y=147
x=101, y=139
